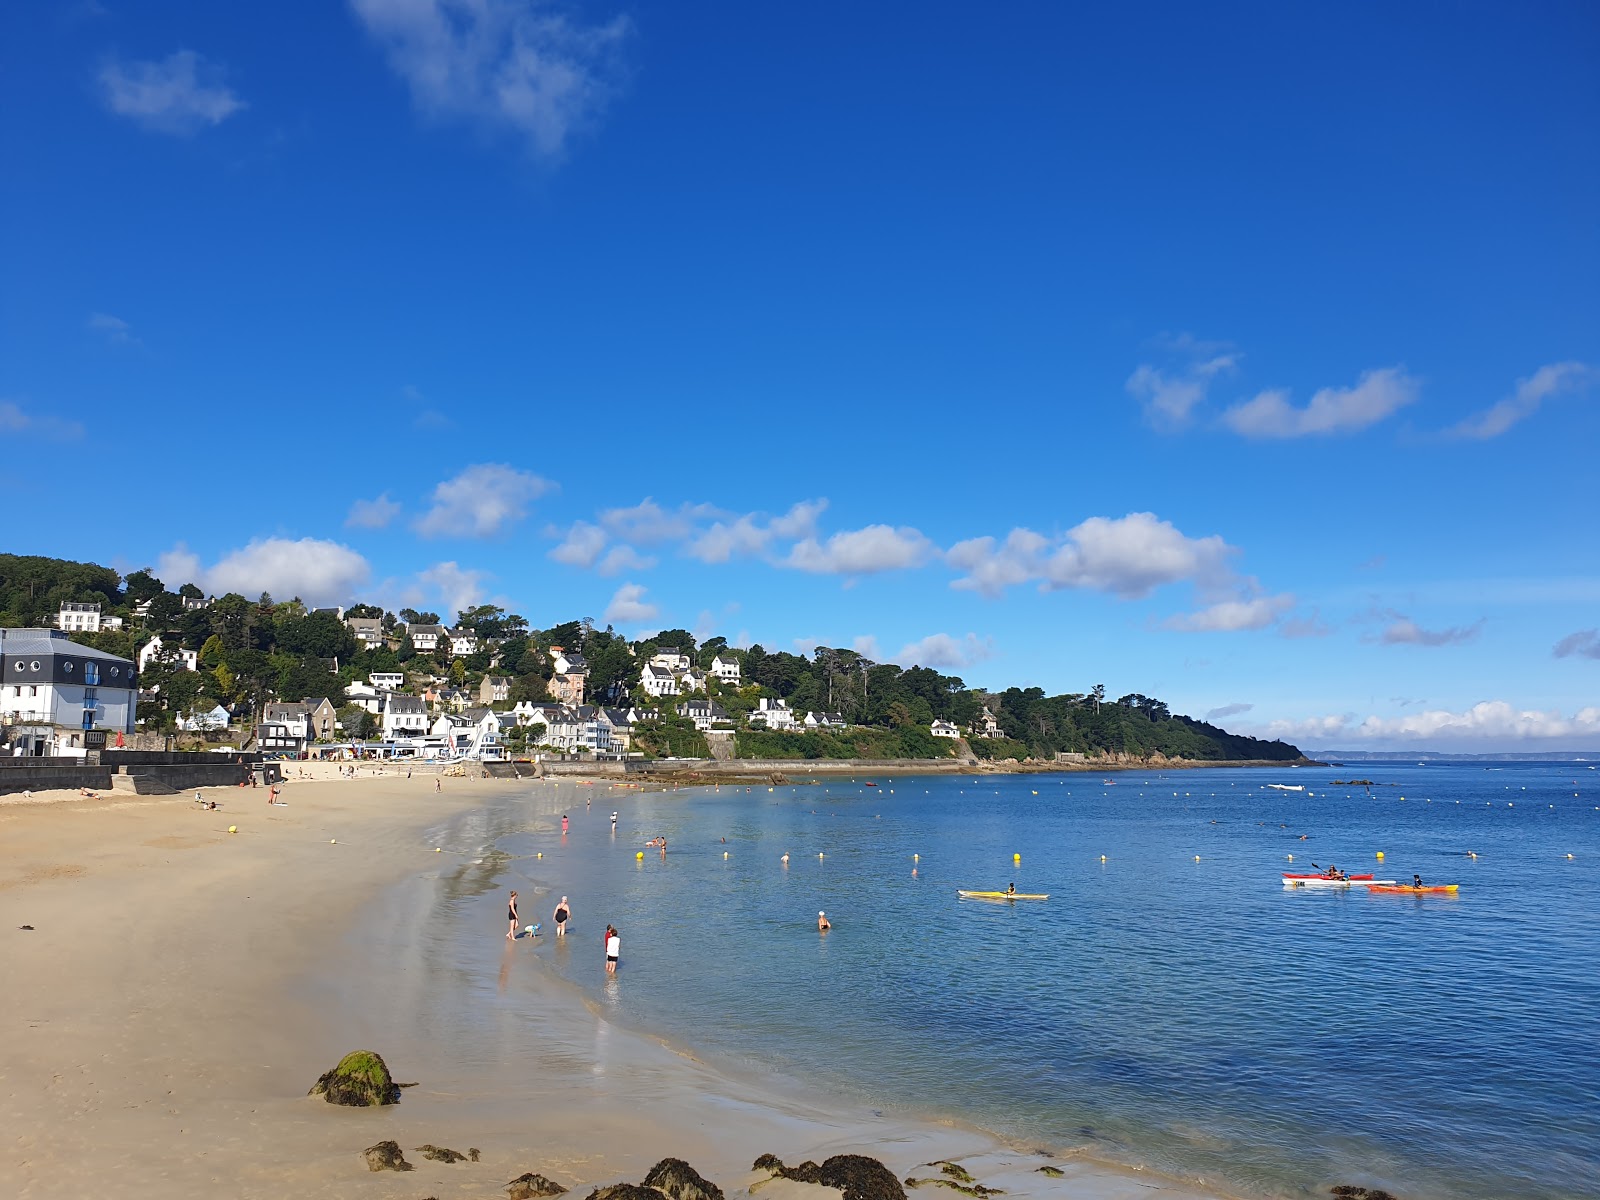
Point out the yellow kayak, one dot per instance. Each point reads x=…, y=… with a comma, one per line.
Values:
x=1003, y=895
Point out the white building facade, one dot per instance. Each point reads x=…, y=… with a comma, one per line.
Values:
x=60, y=697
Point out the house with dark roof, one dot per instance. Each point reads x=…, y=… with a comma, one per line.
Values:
x=60, y=698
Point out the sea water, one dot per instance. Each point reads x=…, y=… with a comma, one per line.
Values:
x=1171, y=1005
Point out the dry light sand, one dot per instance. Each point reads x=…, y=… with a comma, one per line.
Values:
x=182, y=987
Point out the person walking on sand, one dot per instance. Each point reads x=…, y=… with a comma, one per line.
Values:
x=438, y=784
x=613, y=949
x=562, y=915
x=511, y=915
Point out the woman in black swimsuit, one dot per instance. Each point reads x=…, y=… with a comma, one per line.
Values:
x=562, y=915
x=511, y=915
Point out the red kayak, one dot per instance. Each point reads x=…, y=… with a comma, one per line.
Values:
x=1292, y=875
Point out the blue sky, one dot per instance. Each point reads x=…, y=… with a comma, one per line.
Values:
x=1243, y=355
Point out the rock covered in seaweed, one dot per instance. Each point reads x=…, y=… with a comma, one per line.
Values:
x=361, y=1079
x=385, y=1156
x=626, y=1191
x=528, y=1185
x=679, y=1181
x=440, y=1154
x=856, y=1175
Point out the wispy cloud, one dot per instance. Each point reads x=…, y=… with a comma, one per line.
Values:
x=1228, y=616
x=1171, y=395
x=315, y=570
x=1228, y=710
x=1583, y=644
x=862, y=551
x=629, y=606
x=114, y=330
x=481, y=501
x=700, y=531
x=14, y=419
x=1553, y=380
x=180, y=95
x=1306, y=627
x=372, y=514
x=457, y=587
x=506, y=65
x=1403, y=631
x=1378, y=394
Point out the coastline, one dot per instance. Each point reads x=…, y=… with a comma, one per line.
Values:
x=183, y=986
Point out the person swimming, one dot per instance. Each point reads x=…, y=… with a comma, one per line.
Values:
x=823, y=924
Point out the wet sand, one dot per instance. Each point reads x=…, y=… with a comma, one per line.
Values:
x=182, y=987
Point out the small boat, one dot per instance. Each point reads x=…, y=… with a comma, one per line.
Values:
x=1321, y=881
x=1319, y=875
x=1405, y=889
x=871, y=784
x=1288, y=787
x=1003, y=895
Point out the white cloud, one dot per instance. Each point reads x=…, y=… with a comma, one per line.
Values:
x=582, y=546
x=115, y=330
x=316, y=571
x=372, y=514
x=1170, y=397
x=16, y=419
x=1376, y=395
x=629, y=605
x=456, y=586
x=517, y=65
x=750, y=534
x=861, y=551
x=1233, y=615
x=1548, y=381
x=1228, y=710
x=624, y=558
x=648, y=524
x=179, y=95
x=1583, y=644
x=481, y=501
x=1127, y=556
x=1487, y=724
x=1403, y=631
x=867, y=646
x=942, y=650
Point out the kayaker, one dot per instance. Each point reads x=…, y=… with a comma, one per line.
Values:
x=1011, y=889
x=1416, y=881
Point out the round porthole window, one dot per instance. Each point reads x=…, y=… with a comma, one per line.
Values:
x=19, y=666
x=68, y=665
x=115, y=671
x=34, y=665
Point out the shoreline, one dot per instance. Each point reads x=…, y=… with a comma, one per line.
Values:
x=695, y=772
x=183, y=986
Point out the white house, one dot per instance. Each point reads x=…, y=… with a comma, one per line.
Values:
x=79, y=618
x=425, y=638
x=403, y=717
x=704, y=713
x=816, y=720
x=568, y=662
x=294, y=717
x=176, y=656
x=462, y=643
x=692, y=680
x=670, y=658
x=387, y=681
x=725, y=668
x=944, y=729
x=984, y=725
x=59, y=696
x=774, y=714
x=658, y=680
x=365, y=695
x=197, y=722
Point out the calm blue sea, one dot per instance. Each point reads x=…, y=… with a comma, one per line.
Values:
x=1186, y=1013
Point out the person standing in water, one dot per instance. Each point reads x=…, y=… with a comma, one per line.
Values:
x=613, y=820
x=511, y=915
x=562, y=915
x=823, y=924
x=563, y=822
x=613, y=949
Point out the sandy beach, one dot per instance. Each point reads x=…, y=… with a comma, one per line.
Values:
x=182, y=987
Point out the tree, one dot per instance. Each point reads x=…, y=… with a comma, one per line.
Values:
x=190, y=592
x=363, y=610
x=141, y=585
x=164, y=610
x=412, y=617
x=458, y=672
x=357, y=722
x=1099, y=694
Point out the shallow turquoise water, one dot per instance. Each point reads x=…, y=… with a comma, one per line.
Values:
x=1193, y=1016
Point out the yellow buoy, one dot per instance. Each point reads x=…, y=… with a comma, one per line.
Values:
x=916, y=858
x=1380, y=853
x=1569, y=856
x=333, y=841
x=1291, y=858
x=640, y=854
x=438, y=849
x=724, y=854
x=819, y=854
x=1016, y=858
x=233, y=829
x=540, y=854
x=1197, y=858
x=1102, y=858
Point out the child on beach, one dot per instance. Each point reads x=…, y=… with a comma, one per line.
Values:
x=613, y=949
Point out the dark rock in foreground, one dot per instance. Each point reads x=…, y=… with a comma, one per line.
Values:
x=440, y=1154
x=361, y=1079
x=857, y=1176
x=1349, y=1191
x=528, y=1185
x=626, y=1191
x=679, y=1181
x=385, y=1156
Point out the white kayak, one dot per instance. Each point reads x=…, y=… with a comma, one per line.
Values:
x=1333, y=883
